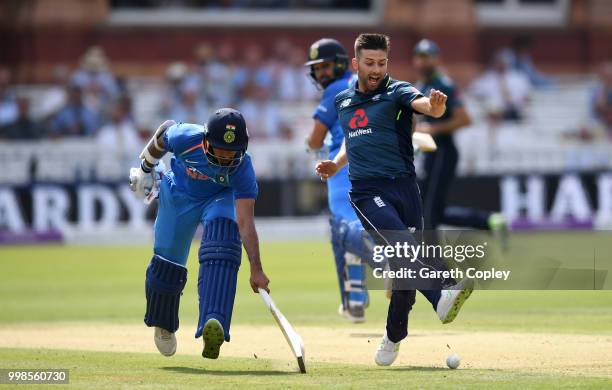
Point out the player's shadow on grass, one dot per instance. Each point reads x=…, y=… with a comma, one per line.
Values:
x=204, y=371
x=418, y=368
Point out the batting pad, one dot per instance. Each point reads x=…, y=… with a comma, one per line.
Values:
x=163, y=288
x=219, y=255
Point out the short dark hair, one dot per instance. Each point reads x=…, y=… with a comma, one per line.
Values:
x=372, y=41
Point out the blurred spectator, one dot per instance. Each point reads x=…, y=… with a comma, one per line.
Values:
x=519, y=58
x=255, y=86
x=75, y=118
x=8, y=103
x=601, y=103
x=217, y=73
x=503, y=90
x=253, y=71
x=213, y=75
x=94, y=77
x=293, y=82
x=120, y=135
x=254, y=4
x=175, y=76
x=54, y=97
x=23, y=128
x=262, y=115
x=190, y=109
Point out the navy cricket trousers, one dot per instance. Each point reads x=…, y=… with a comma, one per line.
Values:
x=440, y=170
x=390, y=210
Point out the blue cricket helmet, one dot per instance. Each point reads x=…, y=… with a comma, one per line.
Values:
x=328, y=49
x=226, y=129
x=426, y=47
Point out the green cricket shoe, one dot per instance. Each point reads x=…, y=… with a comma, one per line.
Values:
x=213, y=336
x=452, y=299
x=499, y=227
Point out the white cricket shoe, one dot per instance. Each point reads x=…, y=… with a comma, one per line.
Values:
x=387, y=352
x=165, y=341
x=452, y=299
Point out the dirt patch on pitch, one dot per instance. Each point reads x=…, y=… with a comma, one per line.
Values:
x=561, y=353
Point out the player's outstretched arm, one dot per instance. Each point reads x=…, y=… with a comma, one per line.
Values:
x=328, y=168
x=434, y=105
x=245, y=211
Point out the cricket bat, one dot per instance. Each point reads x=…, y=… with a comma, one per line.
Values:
x=293, y=339
x=423, y=142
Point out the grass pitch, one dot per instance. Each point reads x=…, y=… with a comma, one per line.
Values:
x=44, y=287
x=103, y=370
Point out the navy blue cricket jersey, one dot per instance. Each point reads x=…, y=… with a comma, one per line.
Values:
x=377, y=128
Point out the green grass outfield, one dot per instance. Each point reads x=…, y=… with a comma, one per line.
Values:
x=103, y=370
x=57, y=284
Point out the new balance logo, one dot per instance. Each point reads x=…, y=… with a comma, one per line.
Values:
x=379, y=202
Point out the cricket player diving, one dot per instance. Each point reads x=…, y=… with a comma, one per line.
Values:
x=212, y=182
x=328, y=63
x=376, y=116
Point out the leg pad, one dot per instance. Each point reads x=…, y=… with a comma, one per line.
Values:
x=219, y=256
x=164, y=285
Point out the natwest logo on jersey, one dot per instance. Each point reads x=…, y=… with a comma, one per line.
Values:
x=359, y=119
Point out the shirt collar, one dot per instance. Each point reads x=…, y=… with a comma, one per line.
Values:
x=381, y=87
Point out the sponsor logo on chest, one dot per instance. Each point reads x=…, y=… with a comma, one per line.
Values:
x=358, y=123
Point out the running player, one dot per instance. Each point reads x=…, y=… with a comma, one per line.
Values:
x=212, y=182
x=328, y=64
x=376, y=118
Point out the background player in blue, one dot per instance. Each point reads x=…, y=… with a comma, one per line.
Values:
x=440, y=166
x=211, y=181
x=376, y=118
x=328, y=63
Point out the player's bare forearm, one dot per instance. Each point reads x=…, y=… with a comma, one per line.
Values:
x=434, y=105
x=250, y=240
x=317, y=135
x=248, y=234
x=424, y=106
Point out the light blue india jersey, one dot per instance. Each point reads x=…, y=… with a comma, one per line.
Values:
x=192, y=173
x=338, y=185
